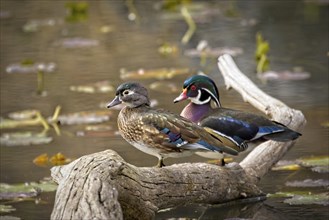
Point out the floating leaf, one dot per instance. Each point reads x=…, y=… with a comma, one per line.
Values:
x=41, y=160
x=77, y=42
x=23, y=115
x=35, y=25
x=167, y=49
x=163, y=73
x=24, y=139
x=320, y=169
x=286, y=165
x=59, y=159
x=26, y=190
x=98, y=87
x=312, y=199
x=31, y=68
x=308, y=183
x=85, y=117
x=284, y=75
x=165, y=87
x=287, y=194
x=8, y=217
x=314, y=161
x=213, y=52
x=6, y=209
x=77, y=11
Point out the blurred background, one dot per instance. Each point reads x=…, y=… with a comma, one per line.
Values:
x=69, y=56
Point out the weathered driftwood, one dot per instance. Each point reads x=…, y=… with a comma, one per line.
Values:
x=99, y=185
x=264, y=156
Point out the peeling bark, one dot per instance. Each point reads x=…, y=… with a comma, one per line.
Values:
x=104, y=186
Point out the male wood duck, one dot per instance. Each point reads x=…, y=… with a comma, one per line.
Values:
x=238, y=126
x=159, y=132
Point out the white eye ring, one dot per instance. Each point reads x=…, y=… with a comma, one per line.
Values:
x=126, y=92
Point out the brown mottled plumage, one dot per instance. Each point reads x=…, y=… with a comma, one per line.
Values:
x=159, y=132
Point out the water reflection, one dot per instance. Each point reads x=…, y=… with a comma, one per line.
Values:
x=298, y=35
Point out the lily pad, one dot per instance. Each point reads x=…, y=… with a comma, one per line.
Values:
x=77, y=42
x=24, y=139
x=26, y=190
x=85, y=117
x=98, y=87
x=36, y=25
x=164, y=73
x=308, y=183
x=6, y=209
x=31, y=68
x=165, y=87
x=312, y=199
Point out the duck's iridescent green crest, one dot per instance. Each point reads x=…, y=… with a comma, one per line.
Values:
x=238, y=126
x=201, y=89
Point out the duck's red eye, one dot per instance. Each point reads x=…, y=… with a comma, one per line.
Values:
x=193, y=87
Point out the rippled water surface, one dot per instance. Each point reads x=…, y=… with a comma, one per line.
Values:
x=296, y=30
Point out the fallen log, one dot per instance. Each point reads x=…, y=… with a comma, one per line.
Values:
x=104, y=186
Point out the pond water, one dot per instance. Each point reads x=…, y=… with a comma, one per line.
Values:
x=118, y=34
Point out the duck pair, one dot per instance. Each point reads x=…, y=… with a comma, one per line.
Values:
x=199, y=129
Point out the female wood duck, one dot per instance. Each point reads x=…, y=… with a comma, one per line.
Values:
x=238, y=126
x=159, y=132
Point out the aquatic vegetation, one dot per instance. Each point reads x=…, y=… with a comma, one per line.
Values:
x=76, y=11
x=318, y=164
x=262, y=48
x=204, y=50
x=55, y=160
x=6, y=209
x=167, y=49
x=248, y=22
x=98, y=87
x=302, y=198
x=308, y=183
x=311, y=199
x=191, y=25
x=85, y=117
x=314, y=161
x=35, y=24
x=98, y=131
x=163, y=73
x=284, y=75
x=59, y=159
x=24, y=139
x=165, y=87
x=30, y=118
x=26, y=190
x=31, y=67
x=76, y=42
x=133, y=14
